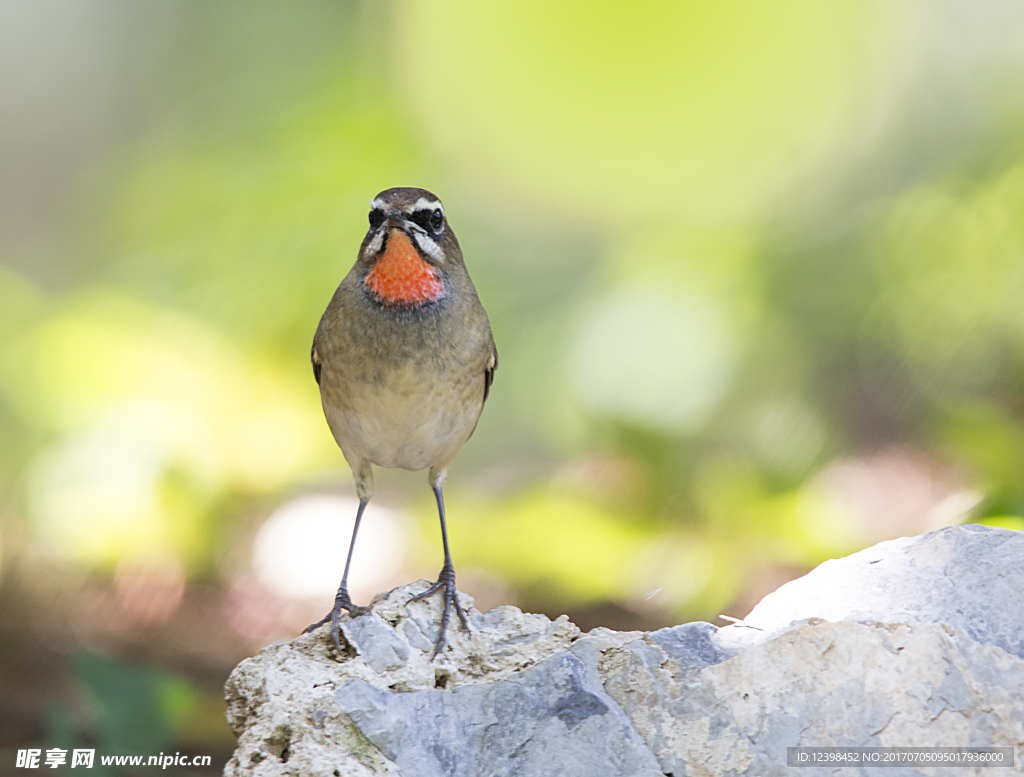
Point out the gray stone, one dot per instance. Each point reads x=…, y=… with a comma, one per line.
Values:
x=915, y=642
x=822, y=685
x=549, y=718
x=379, y=644
x=692, y=646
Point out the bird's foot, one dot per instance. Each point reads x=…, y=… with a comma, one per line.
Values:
x=445, y=582
x=341, y=602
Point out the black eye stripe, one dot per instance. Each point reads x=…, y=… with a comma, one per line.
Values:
x=424, y=217
x=430, y=219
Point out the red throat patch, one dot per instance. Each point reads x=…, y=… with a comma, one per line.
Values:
x=401, y=277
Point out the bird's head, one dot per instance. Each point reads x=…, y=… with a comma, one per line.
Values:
x=409, y=249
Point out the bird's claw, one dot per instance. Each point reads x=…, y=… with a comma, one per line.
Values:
x=446, y=581
x=341, y=602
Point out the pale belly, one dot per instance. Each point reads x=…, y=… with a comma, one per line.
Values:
x=409, y=422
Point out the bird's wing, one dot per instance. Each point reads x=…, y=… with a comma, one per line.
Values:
x=492, y=365
x=315, y=358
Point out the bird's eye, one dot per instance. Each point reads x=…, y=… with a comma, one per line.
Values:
x=436, y=220
x=376, y=218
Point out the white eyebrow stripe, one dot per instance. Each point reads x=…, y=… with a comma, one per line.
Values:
x=424, y=204
x=421, y=204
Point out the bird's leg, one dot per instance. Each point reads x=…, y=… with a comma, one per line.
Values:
x=341, y=599
x=445, y=581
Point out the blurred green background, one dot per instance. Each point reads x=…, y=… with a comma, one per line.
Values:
x=755, y=272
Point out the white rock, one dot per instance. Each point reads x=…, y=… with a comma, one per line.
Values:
x=970, y=577
x=915, y=642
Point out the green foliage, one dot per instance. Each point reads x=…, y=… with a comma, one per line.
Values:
x=125, y=709
x=702, y=264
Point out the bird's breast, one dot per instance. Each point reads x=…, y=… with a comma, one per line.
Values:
x=410, y=416
x=402, y=386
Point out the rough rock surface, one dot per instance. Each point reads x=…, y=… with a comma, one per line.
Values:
x=914, y=642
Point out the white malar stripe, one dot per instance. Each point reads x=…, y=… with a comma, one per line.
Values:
x=376, y=243
x=424, y=204
x=428, y=246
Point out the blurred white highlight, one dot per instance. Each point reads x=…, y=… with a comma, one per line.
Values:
x=299, y=552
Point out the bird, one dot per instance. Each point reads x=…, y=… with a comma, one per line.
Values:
x=404, y=357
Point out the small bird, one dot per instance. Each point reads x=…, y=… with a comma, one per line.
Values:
x=405, y=358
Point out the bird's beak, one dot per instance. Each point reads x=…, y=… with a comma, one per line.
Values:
x=397, y=218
